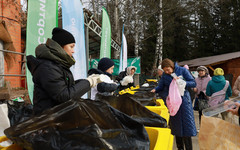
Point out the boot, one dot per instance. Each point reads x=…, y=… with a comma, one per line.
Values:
x=188, y=143
x=179, y=142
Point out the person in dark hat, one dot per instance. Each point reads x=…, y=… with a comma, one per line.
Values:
x=53, y=81
x=107, y=87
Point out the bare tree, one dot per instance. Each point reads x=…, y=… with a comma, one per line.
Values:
x=136, y=51
x=159, y=42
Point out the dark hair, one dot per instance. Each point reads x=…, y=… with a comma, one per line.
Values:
x=167, y=63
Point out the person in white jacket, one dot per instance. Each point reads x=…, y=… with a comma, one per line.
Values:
x=125, y=78
x=105, y=69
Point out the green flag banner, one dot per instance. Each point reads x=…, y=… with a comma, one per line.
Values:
x=130, y=62
x=105, y=49
x=42, y=18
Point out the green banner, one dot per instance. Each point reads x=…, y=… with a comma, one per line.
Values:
x=105, y=49
x=130, y=62
x=41, y=19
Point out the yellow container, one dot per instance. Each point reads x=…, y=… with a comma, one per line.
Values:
x=129, y=90
x=151, y=80
x=11, y=147
x=160, y=138
x=134, y=88
x=160, y=102
x=160, y=109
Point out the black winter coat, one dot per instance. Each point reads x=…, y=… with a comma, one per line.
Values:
x=53, y=81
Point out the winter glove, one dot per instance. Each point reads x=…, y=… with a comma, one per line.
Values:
x=126, y=80
x=94, y=79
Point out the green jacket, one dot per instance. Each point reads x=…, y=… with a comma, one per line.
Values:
x=217, y=84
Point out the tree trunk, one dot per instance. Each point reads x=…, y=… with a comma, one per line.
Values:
x=159, y=43
x=136, y=29
x=94, y=9
x=116, y=28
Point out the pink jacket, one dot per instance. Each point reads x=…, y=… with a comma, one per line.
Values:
x=202, y=84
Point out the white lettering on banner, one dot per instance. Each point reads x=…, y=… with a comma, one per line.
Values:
x=105, y=44
x=43, y=1
x=42, y=7
x=39, y=40
x=41, y=22
x=73, y=27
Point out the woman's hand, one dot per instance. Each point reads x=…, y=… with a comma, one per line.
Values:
x=153, y=90
x=175, y=78
x=234, y=111
x=195, y=90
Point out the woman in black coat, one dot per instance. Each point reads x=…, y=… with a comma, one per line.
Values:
x=53, y=81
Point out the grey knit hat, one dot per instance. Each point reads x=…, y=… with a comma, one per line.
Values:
x=202, y=68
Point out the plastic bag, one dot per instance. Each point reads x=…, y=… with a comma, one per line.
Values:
x=19, y=111
x=180, y=83
x=4, y=123
x=218, y=134
x=80, y=125
x=135, y=110
x=174, y=99
x=144, y=96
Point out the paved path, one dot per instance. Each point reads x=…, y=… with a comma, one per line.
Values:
x=194, y=139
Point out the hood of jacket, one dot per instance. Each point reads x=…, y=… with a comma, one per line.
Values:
x=54, y=52
x=129, y=70
x=218, y=79
x=33, y=63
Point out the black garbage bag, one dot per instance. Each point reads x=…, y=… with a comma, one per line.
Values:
x=145, y=97
x=80, y=125
x=18, y=111
x=136, y=110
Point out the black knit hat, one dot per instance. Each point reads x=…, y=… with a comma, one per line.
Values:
x=62, y=37
x=105, y=63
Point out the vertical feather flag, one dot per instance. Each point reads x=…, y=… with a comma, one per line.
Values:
x=105, y=49
x=123, y=54
x=73, y=21
x=41, y=19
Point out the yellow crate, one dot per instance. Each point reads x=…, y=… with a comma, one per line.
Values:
x=160, y=138
x=11, y=147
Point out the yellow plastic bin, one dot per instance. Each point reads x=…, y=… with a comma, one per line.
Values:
x=11, y=147
x=160, y=102
x=151, y=80
x=160, y=109
x=160, y=138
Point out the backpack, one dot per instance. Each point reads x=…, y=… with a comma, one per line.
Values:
x=218, y=97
